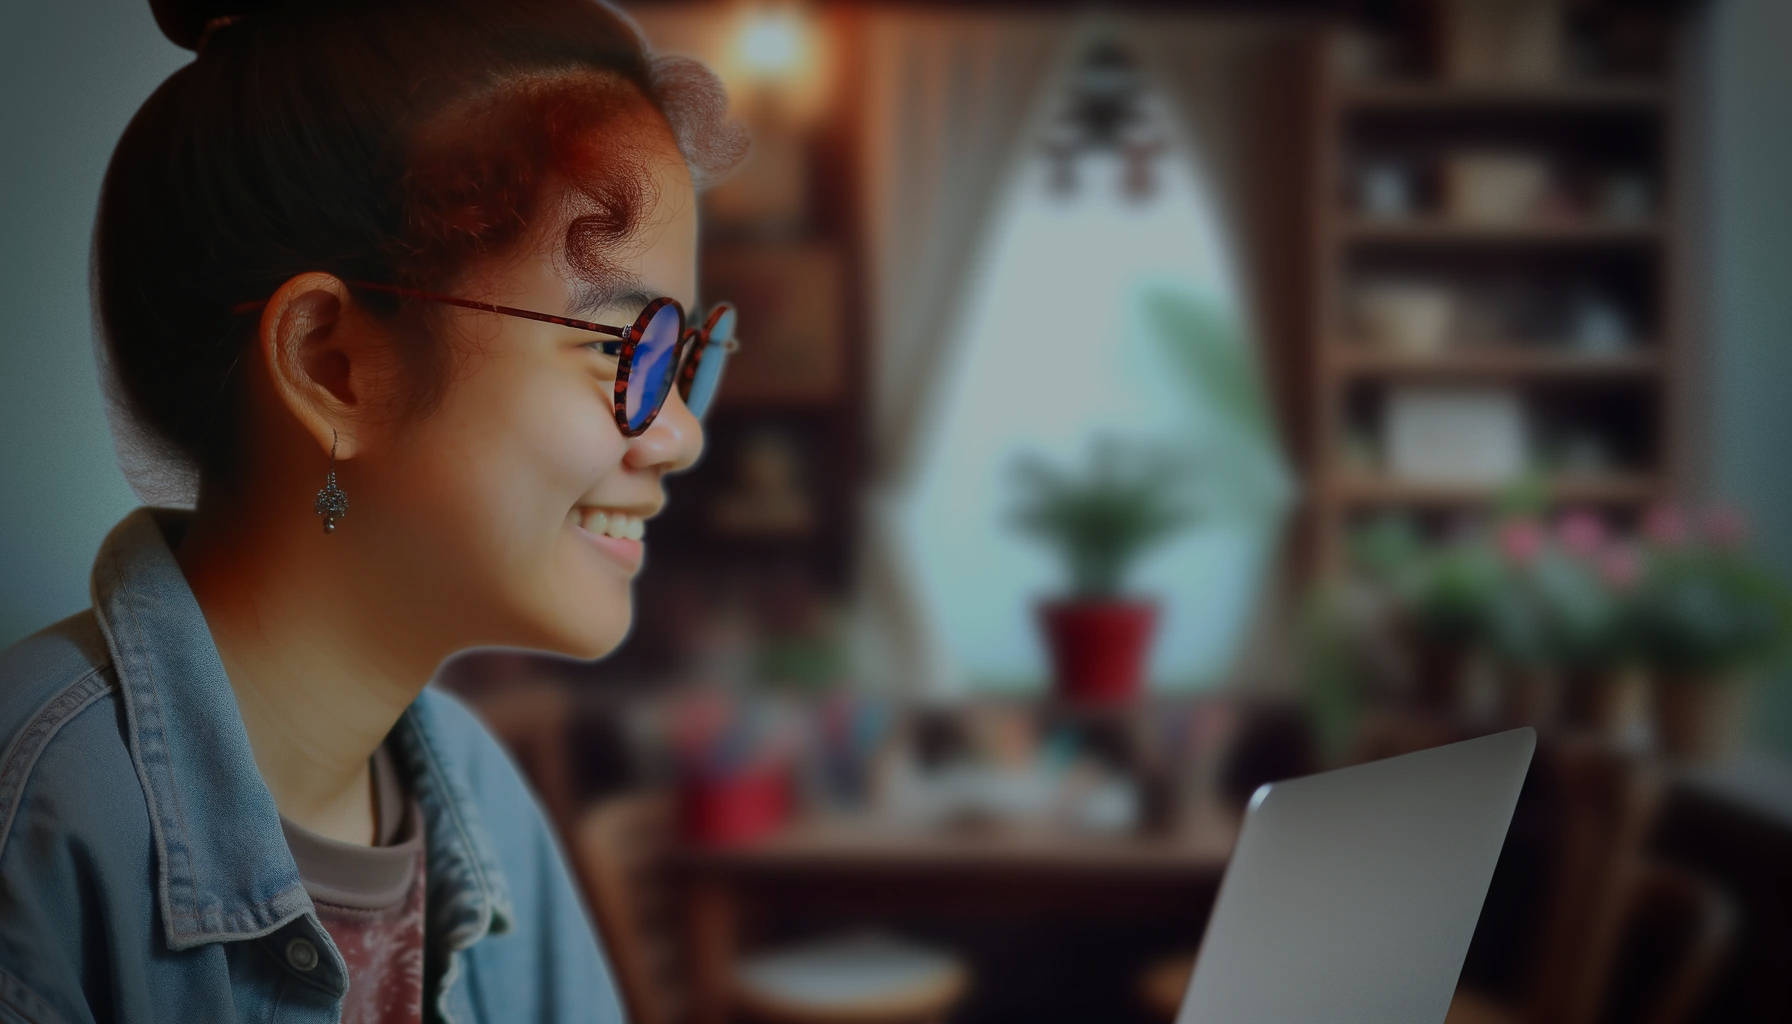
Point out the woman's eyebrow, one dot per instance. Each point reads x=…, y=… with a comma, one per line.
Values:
x=590, y=300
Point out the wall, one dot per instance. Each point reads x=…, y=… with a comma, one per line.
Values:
x=1750, y=281
x=71, y=74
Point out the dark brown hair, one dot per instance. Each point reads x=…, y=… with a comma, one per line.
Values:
x=384, y=140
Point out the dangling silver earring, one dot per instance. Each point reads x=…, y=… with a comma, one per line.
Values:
x=331, y=503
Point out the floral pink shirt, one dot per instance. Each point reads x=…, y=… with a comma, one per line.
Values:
x=384, y=950
x=371, y=899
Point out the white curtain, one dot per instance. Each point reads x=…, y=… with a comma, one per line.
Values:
x=1239, y=89
x=950, y=101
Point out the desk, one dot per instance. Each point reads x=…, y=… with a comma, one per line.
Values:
x=878, y=871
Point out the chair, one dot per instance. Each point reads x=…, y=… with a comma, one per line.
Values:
x=1690, y=917
x=1164, y=983
x=1679, y=930
x=1601, y=889
x=620, y=847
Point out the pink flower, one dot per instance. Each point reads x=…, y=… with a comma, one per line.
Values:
x=1727, y=527
x=1581, y=533
x=1620, y=568
x=1521, y=540
x=1665, y=525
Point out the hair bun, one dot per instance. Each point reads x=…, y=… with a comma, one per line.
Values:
x=184, y=21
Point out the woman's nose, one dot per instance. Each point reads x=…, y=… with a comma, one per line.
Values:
x=673, y=442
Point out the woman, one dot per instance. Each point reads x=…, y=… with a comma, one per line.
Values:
x=400, y=283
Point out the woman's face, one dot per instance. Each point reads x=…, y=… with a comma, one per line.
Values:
x=493, y=506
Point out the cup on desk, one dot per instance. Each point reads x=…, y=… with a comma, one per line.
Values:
x=730, y=809
x=733, y=762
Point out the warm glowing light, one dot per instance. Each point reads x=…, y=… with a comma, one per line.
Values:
x=773, y=43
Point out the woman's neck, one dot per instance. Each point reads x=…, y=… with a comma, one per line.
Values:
x=317, y=676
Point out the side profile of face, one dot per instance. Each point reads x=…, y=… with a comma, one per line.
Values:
x=508, y=515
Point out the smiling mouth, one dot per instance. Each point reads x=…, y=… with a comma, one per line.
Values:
x=612, y=523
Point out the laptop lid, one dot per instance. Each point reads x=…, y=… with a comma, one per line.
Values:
x=1352, y=895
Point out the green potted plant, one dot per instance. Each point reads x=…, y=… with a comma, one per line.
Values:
x=1710, y=617
x=1102, y=521
x=1587, y=583
x=1520, y=620
x=1438, y=597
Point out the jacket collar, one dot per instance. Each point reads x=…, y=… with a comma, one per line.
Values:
x=223, y=870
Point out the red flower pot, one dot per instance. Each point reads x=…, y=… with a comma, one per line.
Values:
x=1098, y=648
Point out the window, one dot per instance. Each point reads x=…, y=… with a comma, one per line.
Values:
x=1057, y=347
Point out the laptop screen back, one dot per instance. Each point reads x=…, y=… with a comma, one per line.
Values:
x=1352, y=895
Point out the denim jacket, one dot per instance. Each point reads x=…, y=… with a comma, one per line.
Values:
x=143, y=874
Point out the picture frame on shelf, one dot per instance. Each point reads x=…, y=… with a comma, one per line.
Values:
x=791, y=321
x=1466, y=436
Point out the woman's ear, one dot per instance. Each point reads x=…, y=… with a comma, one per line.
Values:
x=324, y=355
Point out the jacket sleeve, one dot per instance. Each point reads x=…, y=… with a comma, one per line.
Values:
x=71, y=815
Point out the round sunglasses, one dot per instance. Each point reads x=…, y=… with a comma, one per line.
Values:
x=653, y=355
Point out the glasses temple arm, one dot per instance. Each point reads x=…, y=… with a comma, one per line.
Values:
x=413, y=293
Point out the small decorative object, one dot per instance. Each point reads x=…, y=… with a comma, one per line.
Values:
x=1496, y=189
x=733, y=765
x=730, y=810
x=1102, y=522
x=1626, y=197
x=767, y=496
x=1412, y=318
x=850, y=740
x=1581, y=452
x=1461, y=436
x=1492, y=313
x=1598, y=326
x=1505, y=42
x=1106, y=112
x=1710, y=618
x=1385, y=190
x=1557, y=205
x=790, y=295
x=1359, y=452
x=1360, y=56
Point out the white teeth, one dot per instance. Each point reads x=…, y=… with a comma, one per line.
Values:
x=620, y=525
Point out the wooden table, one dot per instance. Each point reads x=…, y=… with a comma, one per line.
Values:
x=878, y=871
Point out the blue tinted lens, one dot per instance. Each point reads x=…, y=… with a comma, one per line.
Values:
x=709, y=368
x=650, y=376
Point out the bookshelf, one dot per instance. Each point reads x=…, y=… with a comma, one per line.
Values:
x=1569, y=307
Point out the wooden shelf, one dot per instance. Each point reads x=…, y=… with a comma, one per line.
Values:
x=1613, y=489
x=1437, y=231
x=1357, y=360
x=1419, y=95
x=1587, y=131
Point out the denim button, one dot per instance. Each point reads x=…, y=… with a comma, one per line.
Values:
x=301, y=954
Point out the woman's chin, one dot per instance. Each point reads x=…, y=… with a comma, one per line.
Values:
x=589, y=638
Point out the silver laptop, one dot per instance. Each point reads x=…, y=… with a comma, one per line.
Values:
x=1352, y=895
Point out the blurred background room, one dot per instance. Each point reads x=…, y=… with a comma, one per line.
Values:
x=1137, y=403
